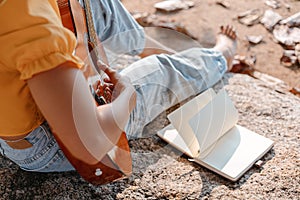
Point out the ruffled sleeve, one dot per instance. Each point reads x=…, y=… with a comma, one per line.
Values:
x=33, y=38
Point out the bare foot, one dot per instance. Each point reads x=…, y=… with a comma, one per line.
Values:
x=227, y=43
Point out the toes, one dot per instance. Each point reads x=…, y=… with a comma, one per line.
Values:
x=229, y=31
x=222, y=29
x=232, y=33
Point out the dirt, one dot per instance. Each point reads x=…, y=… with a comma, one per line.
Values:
x=203, y=21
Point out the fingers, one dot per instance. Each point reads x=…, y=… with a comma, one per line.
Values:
x=105, y=91
x=107, y=94
x=96, y=84
x=102, y=66
x=116, y=83
x=106, y=80
x=112, y=74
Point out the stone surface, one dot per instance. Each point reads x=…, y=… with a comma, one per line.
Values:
x=160, y=172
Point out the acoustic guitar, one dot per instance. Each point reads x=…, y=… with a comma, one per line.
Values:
x=117, y=163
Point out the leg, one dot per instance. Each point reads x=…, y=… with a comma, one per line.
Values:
x=116, y=28
x=163, y=80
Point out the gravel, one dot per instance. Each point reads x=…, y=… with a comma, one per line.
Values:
x=161, y=172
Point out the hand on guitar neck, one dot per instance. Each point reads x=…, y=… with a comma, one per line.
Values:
x=90, y=136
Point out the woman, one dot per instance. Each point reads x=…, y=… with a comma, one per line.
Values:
x=41, y=83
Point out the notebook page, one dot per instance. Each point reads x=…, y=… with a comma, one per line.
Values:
x=213, y=121
x=236, y=152
x=233, y=155
x=170, y=135
x=181, y=116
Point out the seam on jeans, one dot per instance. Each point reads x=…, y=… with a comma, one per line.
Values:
x=46, y=130
x=35, y=138
x=46, y=149
x=57, y=156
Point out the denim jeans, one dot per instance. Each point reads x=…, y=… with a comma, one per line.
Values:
x=44, y=156
x=160, y=81
x=118, y=32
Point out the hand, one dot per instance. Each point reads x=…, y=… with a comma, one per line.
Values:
x=104, y=89
x=112, y=86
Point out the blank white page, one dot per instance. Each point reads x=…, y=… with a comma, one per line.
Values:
x=231, y=156
x=181, y=116
x=236, y=152
x=170, y=135
x=213, y=120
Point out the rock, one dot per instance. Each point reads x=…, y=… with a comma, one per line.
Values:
x=249, y=17
x=287, y=36
x=273, y=3
x=292, y=21
x=297, y=52
x=223, y=3
x=152, y=20
x=289, y=58
x=270, y=19
x=164, y=173
x=253, y=39
x=173, y=5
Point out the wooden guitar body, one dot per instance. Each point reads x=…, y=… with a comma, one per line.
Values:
x=117, y=163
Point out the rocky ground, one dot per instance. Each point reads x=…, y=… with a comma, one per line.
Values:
x=265, y=106
x=203, y=20
x=161, y=172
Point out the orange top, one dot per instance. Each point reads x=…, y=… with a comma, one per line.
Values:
x=32, y=40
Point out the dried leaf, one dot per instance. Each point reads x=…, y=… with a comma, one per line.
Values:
x=295, y=91
x=173, y=5
x=270, y=19
x=243, y=65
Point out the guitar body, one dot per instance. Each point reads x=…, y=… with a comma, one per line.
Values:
x=117, y=163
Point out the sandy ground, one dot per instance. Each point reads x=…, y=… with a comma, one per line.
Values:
x=161, y=172
x=206, y=16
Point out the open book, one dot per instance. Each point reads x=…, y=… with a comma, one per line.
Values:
x=205, y=129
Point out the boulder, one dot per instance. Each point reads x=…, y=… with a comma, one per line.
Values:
x=160, y=172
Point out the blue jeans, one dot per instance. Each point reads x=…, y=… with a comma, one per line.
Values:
x=44, y=156
x=160, y=81
x=118, y=32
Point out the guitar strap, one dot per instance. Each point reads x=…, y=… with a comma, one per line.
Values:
x=117, y=163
